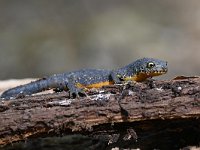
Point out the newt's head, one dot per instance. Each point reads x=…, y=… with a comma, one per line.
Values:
x=144, y=68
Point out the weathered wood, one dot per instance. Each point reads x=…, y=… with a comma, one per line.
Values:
x=56, y=114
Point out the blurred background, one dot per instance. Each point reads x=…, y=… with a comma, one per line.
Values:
x=43, y=37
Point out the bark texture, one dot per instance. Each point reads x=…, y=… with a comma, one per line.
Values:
x=114, y=113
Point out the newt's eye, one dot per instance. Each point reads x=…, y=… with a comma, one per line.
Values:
x=150, y=65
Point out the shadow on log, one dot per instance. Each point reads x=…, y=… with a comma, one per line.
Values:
x=150, y=115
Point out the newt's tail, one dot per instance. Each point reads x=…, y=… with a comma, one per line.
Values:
x=32, y=87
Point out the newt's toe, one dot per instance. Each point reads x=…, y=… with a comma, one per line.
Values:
x=77, y=93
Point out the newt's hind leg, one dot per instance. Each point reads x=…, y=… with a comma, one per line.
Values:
x=74, y=90
x=61, y=87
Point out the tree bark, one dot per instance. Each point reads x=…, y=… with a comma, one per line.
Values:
x=104, y=112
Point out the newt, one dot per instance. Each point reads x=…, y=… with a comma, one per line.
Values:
x=76, y=81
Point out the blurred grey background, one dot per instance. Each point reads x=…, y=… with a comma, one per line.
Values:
x=43, y=37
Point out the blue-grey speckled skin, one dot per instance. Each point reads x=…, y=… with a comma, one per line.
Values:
x=69, y=80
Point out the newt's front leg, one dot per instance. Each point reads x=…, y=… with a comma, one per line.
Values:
x=74, y=90
x=116, y=77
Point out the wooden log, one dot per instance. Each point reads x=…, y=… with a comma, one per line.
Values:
x=118, y=105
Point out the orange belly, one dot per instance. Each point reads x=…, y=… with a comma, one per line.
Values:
x=142, y=76
x=96, y=85
x=139, y=78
